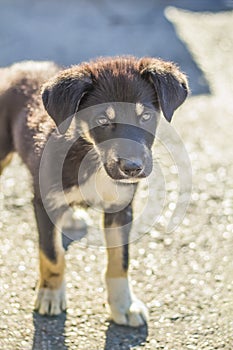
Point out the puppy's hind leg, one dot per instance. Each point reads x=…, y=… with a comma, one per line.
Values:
x=51, y=289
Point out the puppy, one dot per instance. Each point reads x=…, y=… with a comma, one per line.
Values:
x=97, y=159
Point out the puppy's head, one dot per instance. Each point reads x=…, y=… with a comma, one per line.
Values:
x=122, y=98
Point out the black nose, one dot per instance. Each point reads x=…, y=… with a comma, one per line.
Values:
x=131, y=168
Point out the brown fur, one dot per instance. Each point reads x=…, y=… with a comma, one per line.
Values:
x=120, y=77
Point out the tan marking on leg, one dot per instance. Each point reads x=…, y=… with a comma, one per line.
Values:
x=51, y=299
x=115, y=263
x=51, y=273
x=113, y=237
x=5, y=162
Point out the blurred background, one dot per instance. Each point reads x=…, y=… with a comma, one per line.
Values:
x=69, y=32
x=185, y=277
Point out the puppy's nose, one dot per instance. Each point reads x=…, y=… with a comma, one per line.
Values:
x=131, y=168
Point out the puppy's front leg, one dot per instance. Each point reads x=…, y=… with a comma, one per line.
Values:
x=51, y=290
x=126, y=309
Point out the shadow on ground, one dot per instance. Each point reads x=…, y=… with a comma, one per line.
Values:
x=73, y=31
x=118, y=337
x=49, y=332
x=203, y=5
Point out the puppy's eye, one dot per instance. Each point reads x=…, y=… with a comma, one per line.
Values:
x=103, y=121
x=146, y=117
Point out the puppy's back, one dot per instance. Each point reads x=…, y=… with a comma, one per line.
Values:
x=19, y=84
x=19, y=81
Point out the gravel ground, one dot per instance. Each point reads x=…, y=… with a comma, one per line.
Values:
x=185, y=276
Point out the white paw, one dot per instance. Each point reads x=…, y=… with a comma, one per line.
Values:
x=51, y=301
x=135, y=315
x=125, y=308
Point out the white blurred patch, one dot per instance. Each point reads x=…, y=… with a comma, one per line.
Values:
x=139, y=109
x=111, y=112
x=98, y=191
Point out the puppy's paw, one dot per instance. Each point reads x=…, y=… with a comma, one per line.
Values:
x=51, y=301
x=125, y=308
x=135, y=315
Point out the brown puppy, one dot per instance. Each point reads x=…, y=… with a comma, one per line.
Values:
x=116, y=102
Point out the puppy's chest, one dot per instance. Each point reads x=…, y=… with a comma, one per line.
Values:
x=98, y=191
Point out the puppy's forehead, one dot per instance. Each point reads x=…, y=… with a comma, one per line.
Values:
x=113, y=109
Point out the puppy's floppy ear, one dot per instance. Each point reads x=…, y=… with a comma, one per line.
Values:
x=62, y=95
x=170, y=84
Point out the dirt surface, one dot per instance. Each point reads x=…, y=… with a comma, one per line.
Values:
x=185, y=276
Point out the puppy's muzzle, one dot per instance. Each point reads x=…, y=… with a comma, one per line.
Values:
x=132, y=168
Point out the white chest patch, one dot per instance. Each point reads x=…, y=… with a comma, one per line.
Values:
x=98, y=191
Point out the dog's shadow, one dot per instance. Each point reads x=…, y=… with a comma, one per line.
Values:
x=49, y=332
x=120, y=337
